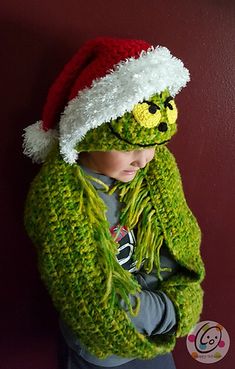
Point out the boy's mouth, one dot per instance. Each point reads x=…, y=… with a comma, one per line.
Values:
x=130, y=171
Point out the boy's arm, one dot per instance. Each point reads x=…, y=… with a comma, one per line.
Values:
x=77, y=262
x=156, y=314
x=182, y=237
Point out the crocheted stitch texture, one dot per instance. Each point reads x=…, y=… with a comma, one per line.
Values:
x=132, y=132
x=65, y=219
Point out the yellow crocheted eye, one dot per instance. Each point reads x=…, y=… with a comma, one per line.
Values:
x=171, y=111
x=147, y=114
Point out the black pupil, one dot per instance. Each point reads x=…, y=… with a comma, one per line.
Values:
x=152, y=109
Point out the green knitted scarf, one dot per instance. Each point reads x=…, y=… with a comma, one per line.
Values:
x=65, y=218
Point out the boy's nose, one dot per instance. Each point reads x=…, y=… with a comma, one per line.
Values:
x=141, y=160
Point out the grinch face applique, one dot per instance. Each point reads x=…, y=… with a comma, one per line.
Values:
x=151, y=122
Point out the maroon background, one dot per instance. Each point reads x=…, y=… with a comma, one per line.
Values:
x=38, y=37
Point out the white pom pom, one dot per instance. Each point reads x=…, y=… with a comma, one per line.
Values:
x=38, y=142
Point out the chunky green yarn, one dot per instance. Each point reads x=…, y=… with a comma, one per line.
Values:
x=65, y=218
x=125, y=133
x=163, y=216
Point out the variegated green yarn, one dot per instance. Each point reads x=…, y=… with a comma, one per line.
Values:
x=125, y=133
x=66, y=220
x=167, y=218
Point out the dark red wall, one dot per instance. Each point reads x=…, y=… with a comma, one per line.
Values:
x=38, y=37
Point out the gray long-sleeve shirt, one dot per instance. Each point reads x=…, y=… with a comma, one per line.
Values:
x=156, y=314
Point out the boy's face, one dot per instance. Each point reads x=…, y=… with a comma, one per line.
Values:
x=120, y=165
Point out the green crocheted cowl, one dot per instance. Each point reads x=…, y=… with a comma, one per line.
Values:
x=65, y=218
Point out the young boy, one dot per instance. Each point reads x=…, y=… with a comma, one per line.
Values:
x=118, y=247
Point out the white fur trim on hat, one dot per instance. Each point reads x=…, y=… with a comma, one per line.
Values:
x=37, y=142
x=130, y=82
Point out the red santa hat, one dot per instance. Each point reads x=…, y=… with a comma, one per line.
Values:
x=104, y=79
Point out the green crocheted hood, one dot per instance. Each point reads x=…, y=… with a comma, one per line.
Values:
x=111, y=88
x=66, y=220
x=150, y=123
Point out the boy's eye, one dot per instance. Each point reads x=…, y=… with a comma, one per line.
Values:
x=147, y=114
x=171, y=112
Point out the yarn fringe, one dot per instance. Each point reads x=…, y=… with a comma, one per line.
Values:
x=118, y=280
x=139, y=212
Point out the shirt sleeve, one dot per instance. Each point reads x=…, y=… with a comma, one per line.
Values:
x=156, y=314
